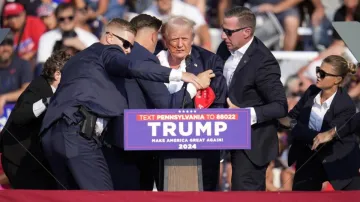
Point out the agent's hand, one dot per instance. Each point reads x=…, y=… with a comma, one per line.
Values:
x=231, y=105
x=191, y=78
x=205, y=78
x=323, y=137
x=2, y=104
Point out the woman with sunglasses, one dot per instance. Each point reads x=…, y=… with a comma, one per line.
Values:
x=324, y=107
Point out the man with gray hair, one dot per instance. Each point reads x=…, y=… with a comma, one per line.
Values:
x=178, y=34
x=253, y=78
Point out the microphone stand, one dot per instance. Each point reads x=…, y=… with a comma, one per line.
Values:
x=187, y=63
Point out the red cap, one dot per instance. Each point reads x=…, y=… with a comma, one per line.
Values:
x=204, y=98
x=13, y=9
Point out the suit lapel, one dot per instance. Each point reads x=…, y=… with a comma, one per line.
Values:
x=307, y=109
x=196, y=65
x=243, y=62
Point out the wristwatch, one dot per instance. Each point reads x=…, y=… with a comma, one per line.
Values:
x=45, y=102
x=293, y=123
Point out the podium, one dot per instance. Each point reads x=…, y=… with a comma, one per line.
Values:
x=176, y=134
x=183, y=174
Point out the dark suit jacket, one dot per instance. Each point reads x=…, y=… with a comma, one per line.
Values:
x=340, y=158
x=256, y=83
x=85, y=81
x=23, y=124
x=156, y=95
x=144, y=94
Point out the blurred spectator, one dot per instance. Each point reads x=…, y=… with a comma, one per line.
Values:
x=116, y=9
x=164, y=8
x=83, y=22
x=27, y=30
x=200, y=4
x=350, y=11
x=66, y=35
x=46, y=13
x=97, y=8
x=279, y=177
x=29, y=5
x=321, y=26
x=286, y=12
x=136, y=6
x=15, y=73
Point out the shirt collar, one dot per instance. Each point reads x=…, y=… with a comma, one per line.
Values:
x=244, y=48
x=327, y=103
x=53, y=88
x=164, y=61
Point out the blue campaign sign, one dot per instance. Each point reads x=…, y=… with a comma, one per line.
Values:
x=187, y=129
x=7, y=110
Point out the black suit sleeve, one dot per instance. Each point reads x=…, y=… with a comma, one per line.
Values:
x=352, y=126
x=116, y=64
x=218, y=83
x=303, y=133
x=294, y=112
x=23, y=111
x=271, y=89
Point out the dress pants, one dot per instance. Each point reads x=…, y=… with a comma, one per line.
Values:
x=246, y=176
x=77, y=162
x=311, y=176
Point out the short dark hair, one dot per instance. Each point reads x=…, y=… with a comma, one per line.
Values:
x=244, y=15
x=55, y=63
x=64, y=6
x=144, y=20
x=121, y=24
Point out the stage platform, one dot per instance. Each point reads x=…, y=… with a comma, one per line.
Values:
x=136, y=196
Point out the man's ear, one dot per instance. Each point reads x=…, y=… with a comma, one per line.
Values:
x=154, y=37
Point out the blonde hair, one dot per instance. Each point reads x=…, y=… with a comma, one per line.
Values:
x=340, y=65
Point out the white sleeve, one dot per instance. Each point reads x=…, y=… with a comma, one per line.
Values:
x=191, y=89
x=38, y=108
x=252, y=115
x=175, y=75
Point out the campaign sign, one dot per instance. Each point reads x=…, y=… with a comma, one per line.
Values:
x=3, y=118
x=187, y=129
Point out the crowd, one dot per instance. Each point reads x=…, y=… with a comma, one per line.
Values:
x=42, y=27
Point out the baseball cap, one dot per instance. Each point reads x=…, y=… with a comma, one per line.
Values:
x=8, y=40
x=45, y=10
x=13, y=9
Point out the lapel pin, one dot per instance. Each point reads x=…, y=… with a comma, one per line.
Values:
x=195, y=64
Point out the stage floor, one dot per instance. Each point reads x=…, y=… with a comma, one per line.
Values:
x=132, y=196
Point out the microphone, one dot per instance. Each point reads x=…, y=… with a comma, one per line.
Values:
x=187, y=65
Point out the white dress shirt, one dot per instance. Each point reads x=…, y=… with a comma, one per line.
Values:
x=175, y=86
x=230, y=66
x=39, y=107
x=318, y=111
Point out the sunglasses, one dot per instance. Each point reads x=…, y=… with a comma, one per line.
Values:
x=229, y=32
x=126, y=43
x=62, y=19
x=323, y=74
